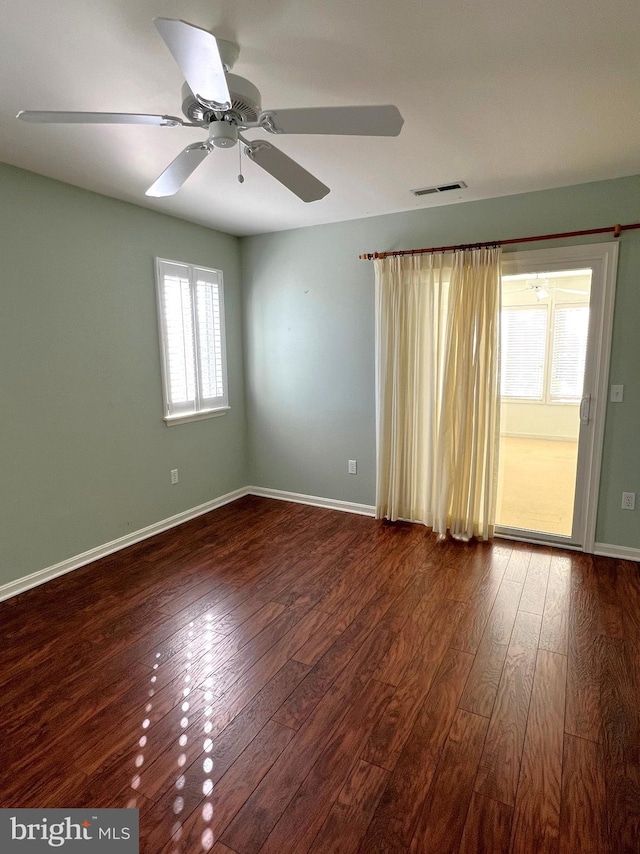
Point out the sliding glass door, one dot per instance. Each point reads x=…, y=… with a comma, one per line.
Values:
x=556, y=322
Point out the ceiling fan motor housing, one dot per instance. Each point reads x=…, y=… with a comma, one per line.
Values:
x=246, y=103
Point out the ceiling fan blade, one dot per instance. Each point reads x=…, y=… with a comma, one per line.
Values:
x=278, y=164
x=45, y=116
x=196, y=52
x=347, y=121
x=570, y=291
x=179, y=170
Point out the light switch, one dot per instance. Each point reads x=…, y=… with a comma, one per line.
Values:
x=617, y=393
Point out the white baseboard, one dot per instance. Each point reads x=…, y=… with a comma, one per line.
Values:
x=313, y=500
x=50, y=572
x=622, y=552
x=13, y=588
x=539, y=436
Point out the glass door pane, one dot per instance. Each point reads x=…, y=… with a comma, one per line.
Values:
x=545, y=320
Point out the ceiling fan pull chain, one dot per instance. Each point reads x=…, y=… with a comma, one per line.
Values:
x=240, y=175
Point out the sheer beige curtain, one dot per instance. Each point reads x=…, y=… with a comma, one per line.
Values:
x=437, y=389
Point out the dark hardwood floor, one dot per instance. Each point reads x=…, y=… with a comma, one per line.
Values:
x=277, y=678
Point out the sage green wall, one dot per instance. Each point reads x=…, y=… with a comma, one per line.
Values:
x=84, y=453
x=309, y=338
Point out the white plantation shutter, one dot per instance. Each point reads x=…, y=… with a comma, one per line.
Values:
x=191, y=317
x=209, y=338
x=176, y=302
x=570, y=328
x=524, y=341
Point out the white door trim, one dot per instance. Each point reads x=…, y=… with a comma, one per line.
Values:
x=602, y=258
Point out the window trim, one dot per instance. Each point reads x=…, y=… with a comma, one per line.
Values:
x=199, y=414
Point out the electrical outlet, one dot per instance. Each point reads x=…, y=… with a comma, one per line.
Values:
x=353, y=467
x=628, y=501
x=174, y=476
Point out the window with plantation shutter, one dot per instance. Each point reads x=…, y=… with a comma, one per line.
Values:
x=192, y=336
x=570, y=328
x=524, y=342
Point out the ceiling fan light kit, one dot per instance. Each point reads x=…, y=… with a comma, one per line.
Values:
x=225, y=104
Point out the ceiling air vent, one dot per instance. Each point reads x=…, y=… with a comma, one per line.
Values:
x=443, y=188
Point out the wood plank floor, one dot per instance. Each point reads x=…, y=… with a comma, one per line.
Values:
x=277, y=678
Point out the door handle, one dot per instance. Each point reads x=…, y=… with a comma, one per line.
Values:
x=585, y=407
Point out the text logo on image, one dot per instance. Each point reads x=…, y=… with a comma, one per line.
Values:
x=29, y=831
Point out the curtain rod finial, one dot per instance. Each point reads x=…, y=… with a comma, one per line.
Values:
x=617, y=229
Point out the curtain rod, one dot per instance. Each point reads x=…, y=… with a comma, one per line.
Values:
x=616, y=229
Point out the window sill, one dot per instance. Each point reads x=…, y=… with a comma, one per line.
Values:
x=172, y=420
x=541, y=401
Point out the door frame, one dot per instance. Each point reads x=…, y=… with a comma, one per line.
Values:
x=602, y=259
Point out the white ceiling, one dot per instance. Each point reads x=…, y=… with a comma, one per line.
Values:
x=507, y=96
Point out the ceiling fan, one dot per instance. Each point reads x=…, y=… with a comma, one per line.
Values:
x=541, y=289
x=225, y=104
x=540, y=285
